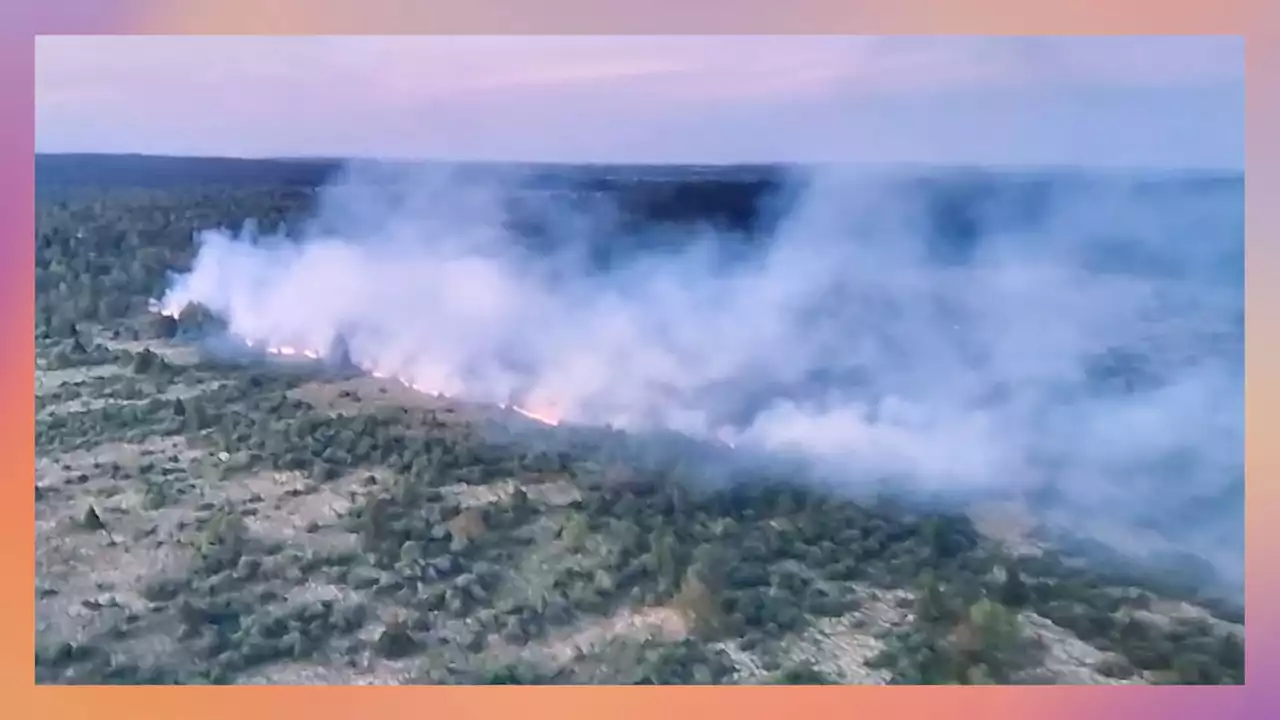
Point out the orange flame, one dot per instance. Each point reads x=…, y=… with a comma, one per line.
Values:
x=543, y=417
x=289, y=351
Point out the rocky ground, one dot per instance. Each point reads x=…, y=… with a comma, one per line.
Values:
x=198, y=522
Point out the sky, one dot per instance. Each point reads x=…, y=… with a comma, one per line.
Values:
x=1153, y=101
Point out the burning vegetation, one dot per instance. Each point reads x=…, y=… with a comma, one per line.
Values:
x=200, y=518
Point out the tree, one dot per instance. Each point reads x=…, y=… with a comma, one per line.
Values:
x=144, y=362
x=161, y=326
x=699, y=604
x=197, y=418
x=931, y=603
x=804, y=674
x=62, y=326
x=990, y=636
x=196, y=319
x=1014, y=592
x=76, y=348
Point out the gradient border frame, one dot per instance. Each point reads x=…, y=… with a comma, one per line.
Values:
x=20, y=25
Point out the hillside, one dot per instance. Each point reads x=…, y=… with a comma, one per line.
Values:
x=200, y=520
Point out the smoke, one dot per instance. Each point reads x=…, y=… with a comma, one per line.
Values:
x=1076, y=342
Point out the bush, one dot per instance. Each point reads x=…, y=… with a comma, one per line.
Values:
x=804, y=674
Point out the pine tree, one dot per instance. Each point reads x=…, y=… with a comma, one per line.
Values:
x=1015, y=592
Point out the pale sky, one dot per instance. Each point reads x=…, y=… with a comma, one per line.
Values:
x=1123, y=101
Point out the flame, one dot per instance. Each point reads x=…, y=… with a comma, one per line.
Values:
x=544, y=417
x=543, y=413
x=160, y=308
x=290, y=351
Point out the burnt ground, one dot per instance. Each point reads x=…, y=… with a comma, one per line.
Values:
x=199, y=523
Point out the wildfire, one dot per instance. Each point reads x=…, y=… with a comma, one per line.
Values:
x=543, y=417
x=289, y=351
x=160, y=308
x=542, y=413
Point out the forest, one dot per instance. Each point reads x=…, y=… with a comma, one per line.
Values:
x=200, y=520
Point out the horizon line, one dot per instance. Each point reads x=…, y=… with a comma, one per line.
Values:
x=903, y=164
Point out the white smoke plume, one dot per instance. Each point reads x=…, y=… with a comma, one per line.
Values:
x=848, y=336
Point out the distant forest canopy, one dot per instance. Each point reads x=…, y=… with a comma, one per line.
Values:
x=734, y=197
x=54, y=169
x=728, y=197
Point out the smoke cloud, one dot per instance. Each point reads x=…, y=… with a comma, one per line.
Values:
x=1075, y=342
